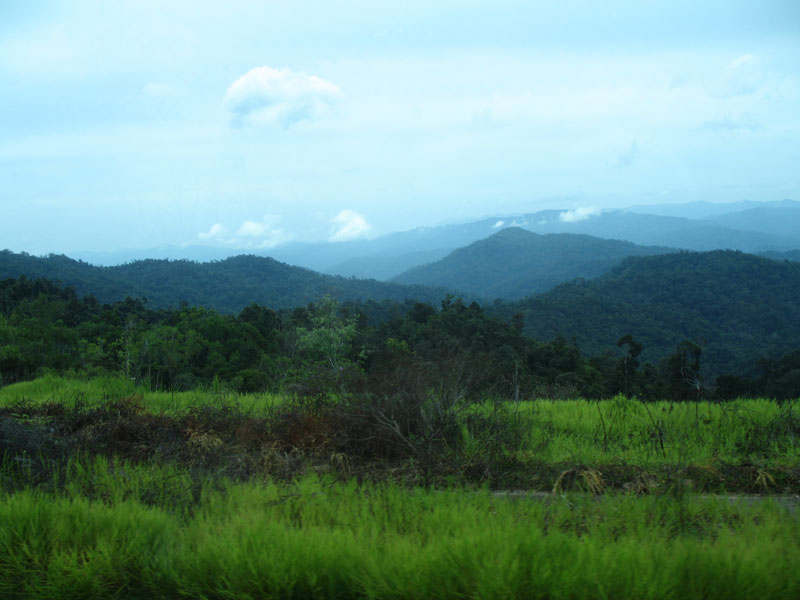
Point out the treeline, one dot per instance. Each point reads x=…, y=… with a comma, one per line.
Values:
x=326, y=346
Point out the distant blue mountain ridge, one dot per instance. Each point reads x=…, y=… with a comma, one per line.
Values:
x=746, y=226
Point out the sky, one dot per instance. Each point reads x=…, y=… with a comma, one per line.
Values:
x=251, y=124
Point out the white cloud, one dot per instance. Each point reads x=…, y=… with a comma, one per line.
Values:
x=498, y=224
x=578, y=214
x=262, y=234
x=252, y=229
x=217, y=230
x=251, y=234
x=348, y=225
x=269, y=96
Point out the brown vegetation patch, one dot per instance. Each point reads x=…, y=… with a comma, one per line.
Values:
x=364, y=437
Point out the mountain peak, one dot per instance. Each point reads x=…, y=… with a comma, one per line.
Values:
x=514, y=262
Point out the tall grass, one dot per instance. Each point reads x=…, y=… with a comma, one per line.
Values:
x=73, y=525
x=93, y=392
x=626, y=431
x=320, y=539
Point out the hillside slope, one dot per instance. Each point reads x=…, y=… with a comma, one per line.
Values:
x=514, y=263
x=736, y=306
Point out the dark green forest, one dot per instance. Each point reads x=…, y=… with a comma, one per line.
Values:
x=736, y=306
x=326, y=346
x=226, y=285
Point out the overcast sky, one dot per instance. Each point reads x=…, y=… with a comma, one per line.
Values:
x=134, y=123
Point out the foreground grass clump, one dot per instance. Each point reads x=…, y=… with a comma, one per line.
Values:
x=649, y=433
x=99, y=534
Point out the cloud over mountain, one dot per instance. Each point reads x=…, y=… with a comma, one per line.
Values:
x=217, y=230
x=348, y=225
x=578, y=214
x=251, y=234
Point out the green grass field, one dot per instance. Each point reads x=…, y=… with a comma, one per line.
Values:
x=109, y=490
x=115, y=529
x=624, y=431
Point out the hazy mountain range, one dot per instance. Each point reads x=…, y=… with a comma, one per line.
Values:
x=703, y=210
x=746, y=226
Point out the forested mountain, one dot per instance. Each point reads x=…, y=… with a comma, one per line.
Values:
x=227, y=286
x=514, y=263
x=735, y=306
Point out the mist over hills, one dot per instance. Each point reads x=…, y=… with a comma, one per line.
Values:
x=395, y=253
x=781, y=220
x=227, y=285
x=704, y=209
x=414, y=245
x=514, y=263
x=736, y=306
x=675, y=232
x=384, y=268
x=773, y=232
x=747, y=226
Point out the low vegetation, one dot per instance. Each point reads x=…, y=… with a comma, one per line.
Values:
x=114, y=529
x=110, y=489
x=747, y=446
